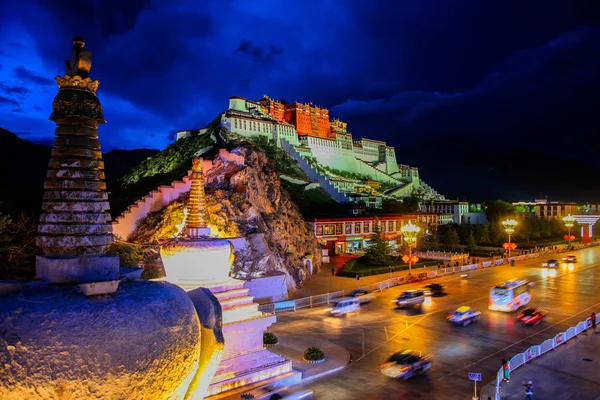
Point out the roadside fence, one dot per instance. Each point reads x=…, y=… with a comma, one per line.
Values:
x=538, y=350
x=327, y=298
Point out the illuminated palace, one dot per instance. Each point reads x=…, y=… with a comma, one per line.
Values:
x=349, y=169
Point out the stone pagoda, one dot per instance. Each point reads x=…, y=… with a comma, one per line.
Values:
x=138, y=340
x=197, y=262
x=75, y=231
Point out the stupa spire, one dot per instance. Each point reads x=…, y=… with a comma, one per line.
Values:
x=75, y=221
x=195, y=222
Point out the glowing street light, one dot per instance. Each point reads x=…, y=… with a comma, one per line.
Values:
x=509, y=227
x=410, y=232
x=569, y=221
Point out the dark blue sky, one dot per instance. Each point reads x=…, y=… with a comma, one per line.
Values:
x=490, y=73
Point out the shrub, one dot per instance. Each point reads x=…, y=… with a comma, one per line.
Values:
x=129, y=255
x=269, y=338
x=314, y=354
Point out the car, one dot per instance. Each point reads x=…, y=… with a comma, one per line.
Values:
x=432, y=289
x=463, y=316
x=410, y=298
x=550, y=264
x=405, y=365
x=362, y=296
x=343, y=306
x=532, y=316
x=570, y=258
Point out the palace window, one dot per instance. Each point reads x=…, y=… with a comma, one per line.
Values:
x=357, y=227
x=390, y=226
x=397, y=226
x=319, y=230
x=338, y=229
x=329, y=229
x=366, y=228
x=348, y=228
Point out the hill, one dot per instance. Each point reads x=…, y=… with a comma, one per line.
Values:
x=23, y=166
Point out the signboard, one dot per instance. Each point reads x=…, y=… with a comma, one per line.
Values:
x=349, y=238
x=474, y=376
x=559, y=339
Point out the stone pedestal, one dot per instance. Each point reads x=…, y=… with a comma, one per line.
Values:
x=64, y=269
x=143, y=342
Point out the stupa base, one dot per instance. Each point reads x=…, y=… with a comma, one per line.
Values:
x=64, y=269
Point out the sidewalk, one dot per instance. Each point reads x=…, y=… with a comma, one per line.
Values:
x=571, y=372
x=293, y=347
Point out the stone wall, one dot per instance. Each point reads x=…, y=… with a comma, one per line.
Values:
x=268, y=289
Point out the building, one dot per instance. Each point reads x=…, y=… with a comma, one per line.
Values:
x=553, y=210
x=349, y=234
x=454, y=207
x=340, y=163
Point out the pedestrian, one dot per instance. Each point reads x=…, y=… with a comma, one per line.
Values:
x=528, y=390
x=332, y=271
x=448, y=266
x=593, y=317
x=505, y=370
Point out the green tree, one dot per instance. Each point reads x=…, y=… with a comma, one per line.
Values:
x=471, y=242
x=436, y=241
x=478, y=232
x=378, y=252
x=497, y=234
x=485, y=237
x=451, y=239
x=498, y=210
x=523, y=231
x=545, y=228
x=463, y=232
x=411, y=203
x=391, y=206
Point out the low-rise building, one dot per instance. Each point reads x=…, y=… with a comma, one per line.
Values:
x=349, y=234
x=454, y=207
x=555, y=210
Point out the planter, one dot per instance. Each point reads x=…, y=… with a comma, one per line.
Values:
x=271, y=344
x=314, y=361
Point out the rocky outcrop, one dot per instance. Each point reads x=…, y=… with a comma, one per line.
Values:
x=244, y=197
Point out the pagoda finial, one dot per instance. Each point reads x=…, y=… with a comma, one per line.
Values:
x=195, y=222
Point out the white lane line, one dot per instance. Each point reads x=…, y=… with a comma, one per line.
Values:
x=522, y=340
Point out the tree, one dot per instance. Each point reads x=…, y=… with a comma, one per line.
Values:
x=463, y=232
x=17, y=246
x=451, y=239
x=499, y=210
x=390, y=206
x=436, y=241
x=471, y=242
x=497, y=234
x=411, y=203
x=485, y=237
x=378, y=252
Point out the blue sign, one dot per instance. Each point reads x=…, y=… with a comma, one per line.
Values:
x=474, y=376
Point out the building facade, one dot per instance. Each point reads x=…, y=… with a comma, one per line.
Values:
x=454, y=207
x=349, y=234
x=307, y=130
x=555, y=210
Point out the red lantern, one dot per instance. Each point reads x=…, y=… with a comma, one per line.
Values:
x=412, y=259
x=415, y=259
x=513, y=246
x=505, y=245
x=405, y=259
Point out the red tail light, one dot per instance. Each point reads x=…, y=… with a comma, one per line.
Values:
x=490, y=302
x=384, y=365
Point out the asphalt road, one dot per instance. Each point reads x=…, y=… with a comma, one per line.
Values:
x=378, y=330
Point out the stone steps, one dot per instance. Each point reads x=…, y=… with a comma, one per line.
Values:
x=231, y=293
x=235, y=301
x=244, y=370
x=241, y=312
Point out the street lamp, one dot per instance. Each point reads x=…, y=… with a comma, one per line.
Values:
x=410, y=232
x=569, y=221
x=509, y=227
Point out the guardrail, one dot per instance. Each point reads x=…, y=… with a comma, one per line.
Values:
x=323, y=299
x=538, y=350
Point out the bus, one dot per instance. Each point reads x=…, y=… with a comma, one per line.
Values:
x=509, y=296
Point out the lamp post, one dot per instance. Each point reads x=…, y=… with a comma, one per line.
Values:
x=410, y=232
x=509, y=227
x=569, y=221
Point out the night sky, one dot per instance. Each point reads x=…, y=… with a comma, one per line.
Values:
x=490, y=73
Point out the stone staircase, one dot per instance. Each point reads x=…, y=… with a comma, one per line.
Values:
x=125, y=224
x=313, y=174
x=245, y=360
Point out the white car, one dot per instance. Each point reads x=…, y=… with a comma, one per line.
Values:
x=410, y=298
x=570, y=258
x=405, y=365
x=463, y=316
x=343, y=306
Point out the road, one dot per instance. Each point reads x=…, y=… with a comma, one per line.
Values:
x=378, y=330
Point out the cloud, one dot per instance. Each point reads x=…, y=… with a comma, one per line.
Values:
x=258, y=53
x=27, y=76
x=14, y=90
x=6, y=100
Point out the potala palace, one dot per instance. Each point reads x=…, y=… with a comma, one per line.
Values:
x=349, y=169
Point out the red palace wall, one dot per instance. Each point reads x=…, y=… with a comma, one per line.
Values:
x=307, y=120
